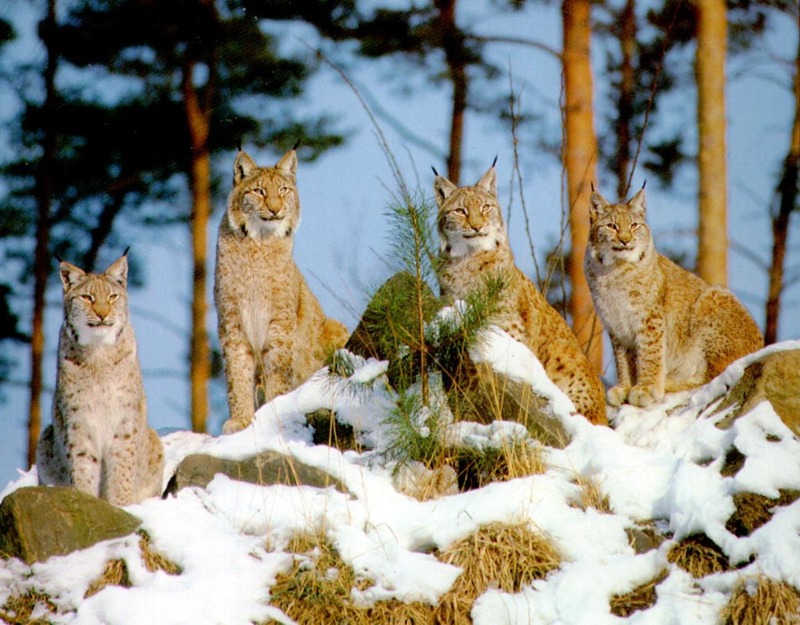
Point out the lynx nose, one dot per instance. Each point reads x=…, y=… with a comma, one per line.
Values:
x=625, y=237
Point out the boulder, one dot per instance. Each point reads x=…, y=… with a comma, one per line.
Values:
x=774, y=378
x=265, y=469
x=37, y=522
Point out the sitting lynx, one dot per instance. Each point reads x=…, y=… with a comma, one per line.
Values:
x=272, y=330
x=474, y=245
x=99, y=441
x=670, y=331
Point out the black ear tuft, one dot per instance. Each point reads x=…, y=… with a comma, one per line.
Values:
x=297, y=144
x=644, y=184
x=58, y=258
x=494, y=162
x=127, y=249
x=435, y=173
x=591, y=184
x=239, y=146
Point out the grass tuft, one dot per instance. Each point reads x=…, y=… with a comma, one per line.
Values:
x=640, y=598
x=762, y=601
x=754, y=510
x=507, y=557
x=19, y=609
x=318, y=590
x=699, y=556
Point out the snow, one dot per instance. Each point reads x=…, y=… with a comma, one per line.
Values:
x=661, y=463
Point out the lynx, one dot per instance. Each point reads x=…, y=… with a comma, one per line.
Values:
x=99, y=441
x=272, y=330
x=473, y=246
x=670, y=330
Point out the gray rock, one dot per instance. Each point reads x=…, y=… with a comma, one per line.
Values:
x=37, y=522
x=266, y=468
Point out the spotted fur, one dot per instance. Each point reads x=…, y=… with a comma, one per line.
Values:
x=669, y=329
x=99, y=441
x=474, y=245
x=272, y=330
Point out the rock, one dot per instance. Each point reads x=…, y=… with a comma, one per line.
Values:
x=478, y=393
x=37, y=522
x=265, y=469
x=774, y=378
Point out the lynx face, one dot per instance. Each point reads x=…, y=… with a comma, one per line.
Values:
x=619, y=232
x=470, y=220
x=95, y=305
x=264, y=201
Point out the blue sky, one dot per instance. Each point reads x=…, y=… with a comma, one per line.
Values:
x=342, y=243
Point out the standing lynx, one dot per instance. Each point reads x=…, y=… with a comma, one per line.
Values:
x=99, y=441
x=272, y=330
x=474, y=245
x=670, y=330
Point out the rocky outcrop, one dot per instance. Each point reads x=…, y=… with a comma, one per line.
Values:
x=37, y=522
x=265, y=469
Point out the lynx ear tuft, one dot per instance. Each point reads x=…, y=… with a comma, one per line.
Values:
x=70, y=274
x=597, y=203
x=243, y=167
x=638, y=202
x=118, y=271
x=488, y=181
x=288, y=163
x=443, y=189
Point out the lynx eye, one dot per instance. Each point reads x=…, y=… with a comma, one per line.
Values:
x=113, y=297
x=612, y=226
x=635, y=225
x=460, y=211
x=86, y=297
x=284, y=190
x=486, y=208
x=257, y=191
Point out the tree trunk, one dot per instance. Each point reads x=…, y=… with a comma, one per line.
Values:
x=197, y=117
x=580, y=162
x=453, y=44
x=627, y=88
x=787, y=200
x=712, y=254
x=41, y=261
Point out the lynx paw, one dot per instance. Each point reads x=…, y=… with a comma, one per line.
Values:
x=644, y=396
x=617, y=395
x=231, y=426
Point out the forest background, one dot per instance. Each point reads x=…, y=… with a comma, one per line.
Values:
x=121, y=119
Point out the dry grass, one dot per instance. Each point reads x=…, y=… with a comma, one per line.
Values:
x=317, y=590
x=699, y=556
x=640, y=598
x=513, y=459
x=762, y=601
x=116, y=571
x=591, y=496
x=19, y=609
x=753, y=511
x=507, y=557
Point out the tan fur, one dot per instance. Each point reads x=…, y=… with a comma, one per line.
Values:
x=474, y=245
x=272, y=330
x=99, y=441
x=669, y=329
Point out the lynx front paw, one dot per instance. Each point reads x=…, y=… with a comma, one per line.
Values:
x=644, y=396
x=617, y=395
x=231, y=426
